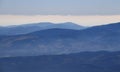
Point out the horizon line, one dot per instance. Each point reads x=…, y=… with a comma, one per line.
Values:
x=89, y=20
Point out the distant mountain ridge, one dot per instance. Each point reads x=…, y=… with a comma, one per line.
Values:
x=28, y=28
x=62, y=41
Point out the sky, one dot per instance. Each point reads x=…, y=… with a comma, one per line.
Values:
x=84, y=12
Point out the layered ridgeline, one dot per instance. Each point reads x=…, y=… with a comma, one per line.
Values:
x=80, y=62
x=28, y=28
x=62, y=41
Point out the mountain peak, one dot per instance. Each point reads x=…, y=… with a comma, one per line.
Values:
x=70, y=23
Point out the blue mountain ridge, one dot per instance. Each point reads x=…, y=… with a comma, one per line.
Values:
x=28, y=28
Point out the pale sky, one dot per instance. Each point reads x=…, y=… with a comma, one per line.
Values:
x=83, y=12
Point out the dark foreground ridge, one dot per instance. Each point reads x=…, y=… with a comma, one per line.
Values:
x=101, y=61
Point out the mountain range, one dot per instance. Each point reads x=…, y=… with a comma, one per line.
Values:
x=61, y=41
